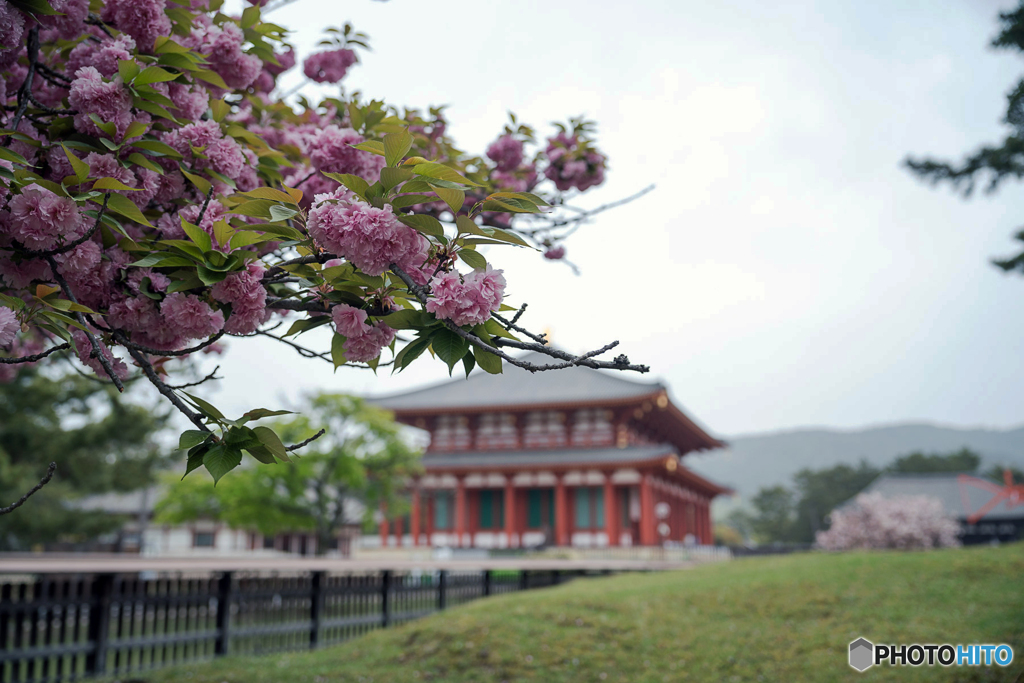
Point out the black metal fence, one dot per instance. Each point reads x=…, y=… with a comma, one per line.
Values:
x=63, y=628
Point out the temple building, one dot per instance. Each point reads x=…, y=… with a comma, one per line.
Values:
x=573, y=457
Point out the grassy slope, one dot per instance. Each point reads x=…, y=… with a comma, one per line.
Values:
x=765, y=619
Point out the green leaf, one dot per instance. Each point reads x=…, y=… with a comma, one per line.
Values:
x=411, y=200
x=127, y=69
x=428, y=225
x=211, y=77
x=202, y=184
x=467, y=224
x=81, y=168
x=137, y=158
x=192, y=438
x=112, y=184
x=449, y=346
x=453, y=198
x=396, y=145
x=407, y=319
x=372, y=146
x=198, y=235
x=14, y=157
x=509, y=205
x=442, y=172
x=195, y=458
x=270, y=193
x=221, y=459
x=389, y=177
x=468, y=362
x=411, y=352
x=473, y=258
x=120, y=204
x=158, y=148
x=135, y=129
x=250, y=16
x=352, y=182
x=507, y=236
x=338, y=350
x=272, y=441
x=154, y=74
x=281, y=213
x=487, y=361
x=207, y=408
x=260, y=413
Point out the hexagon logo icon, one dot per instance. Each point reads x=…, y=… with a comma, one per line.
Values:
x=862, y=654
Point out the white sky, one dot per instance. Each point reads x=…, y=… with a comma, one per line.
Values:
x=787, y=271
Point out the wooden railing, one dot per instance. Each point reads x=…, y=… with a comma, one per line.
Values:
x=59, y=627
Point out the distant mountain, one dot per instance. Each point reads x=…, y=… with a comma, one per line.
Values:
x=755, y=460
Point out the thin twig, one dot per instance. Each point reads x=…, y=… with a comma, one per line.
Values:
x=25, y=91
x=168, y=393
x=206, y=203
x=42, y=482
x=211, y=376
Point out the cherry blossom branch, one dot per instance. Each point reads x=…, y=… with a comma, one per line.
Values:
x=42, y=482
x=206, y=203
x=36, y=356
x=97, y=352
x=181, y=352
x=161, y=386
x=620, y=362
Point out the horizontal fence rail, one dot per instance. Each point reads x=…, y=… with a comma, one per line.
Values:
x=64, y=628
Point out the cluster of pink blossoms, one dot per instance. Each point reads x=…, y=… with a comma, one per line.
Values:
x=506, y=152
x=572, y=166
x=905, y=523
x=39, y=219
x=244, y=291
x=467, y=299
x=330, y=66
x=370, y=238
x=363, y=342
x=83, y=347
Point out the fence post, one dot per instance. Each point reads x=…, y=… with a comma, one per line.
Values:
x=385, y=598
x=442, y=589
x=487, y=582
x=99, y=624
x=224, y=591
x=316, y=608
x=524, y=580
x=556, y=577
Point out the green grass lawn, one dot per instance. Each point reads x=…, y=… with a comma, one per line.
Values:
x=787, y=618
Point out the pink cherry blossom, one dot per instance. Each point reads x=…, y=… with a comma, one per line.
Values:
x=9, y=326
x=143, y=20
x=330, y=66
x=108, y=100
x=349, y=321
x=873, y=521
x=469, y=299
x=41, y=219
x=506, y=152
x=190, y=316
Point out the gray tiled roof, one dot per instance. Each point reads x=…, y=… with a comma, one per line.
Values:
x=559, y=457
x=516, y=386
x=947, y=489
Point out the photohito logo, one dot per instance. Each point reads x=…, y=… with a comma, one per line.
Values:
x=864, y=654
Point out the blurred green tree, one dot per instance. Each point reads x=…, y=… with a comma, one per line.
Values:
x=363, y=458
x=99, y=441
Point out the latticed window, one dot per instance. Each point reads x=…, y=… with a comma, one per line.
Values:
x=544, y=429
x=592, y=427
x=497, y=430
x=451, y=434
x=540, y=509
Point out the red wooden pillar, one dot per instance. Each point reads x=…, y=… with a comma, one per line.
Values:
x=611, y=518
x=561, y=512
x=510, y=508
x=700, y=523
x=648, y=535
x=383, y=525
x=414, y=515
x=460, y=510
x=428, y=523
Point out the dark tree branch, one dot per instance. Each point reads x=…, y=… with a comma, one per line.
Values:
x=97, y=351
x=161, y=386
x=307, y=441
x=206, y=203
x=182, y=352
x=42, y=482
x=36, y=356
x=25, y=91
